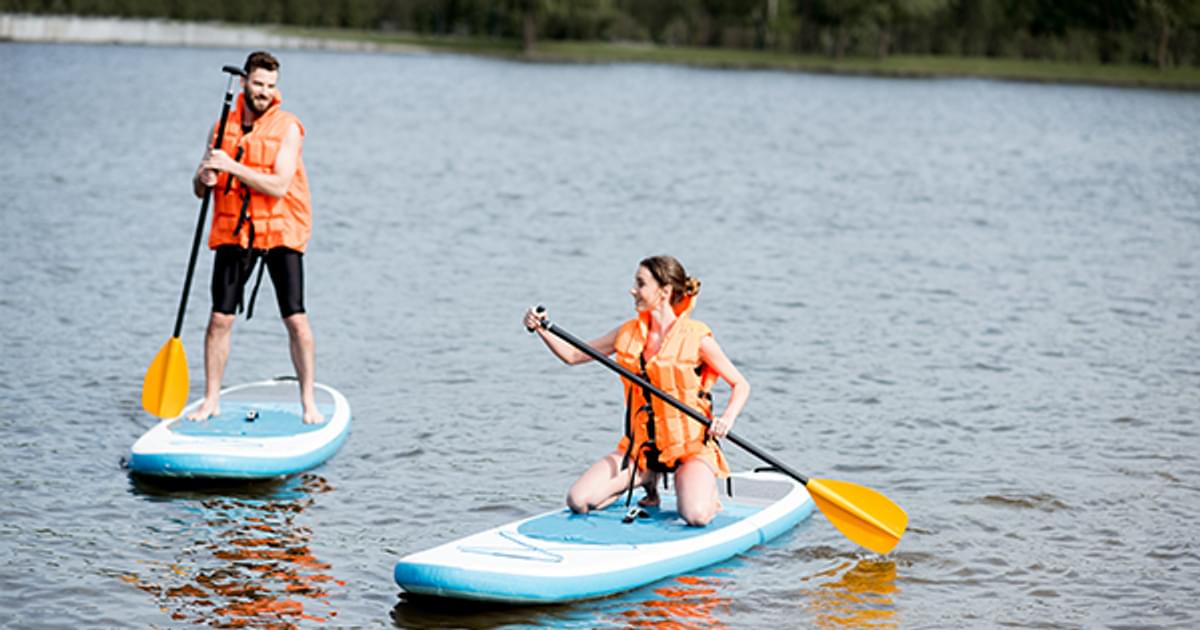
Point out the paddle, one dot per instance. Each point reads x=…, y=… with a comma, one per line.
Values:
x=863, y=515
x=165, y=387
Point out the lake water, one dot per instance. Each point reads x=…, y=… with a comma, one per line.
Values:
x=979, y=298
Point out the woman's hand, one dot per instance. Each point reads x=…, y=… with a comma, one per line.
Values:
x=721, y=427
x=534, y=318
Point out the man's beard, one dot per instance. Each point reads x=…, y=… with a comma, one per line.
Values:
x=253, y=107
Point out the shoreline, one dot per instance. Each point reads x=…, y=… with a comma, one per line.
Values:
x=71, y=29
x=26, y=28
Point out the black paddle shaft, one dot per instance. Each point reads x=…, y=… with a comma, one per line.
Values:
x=233, y=71
x=670, y=400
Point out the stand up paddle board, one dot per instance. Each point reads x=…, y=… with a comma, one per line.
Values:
x=259, y=434
x=559, y=556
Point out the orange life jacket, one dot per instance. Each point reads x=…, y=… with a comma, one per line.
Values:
x=272, y=221
x=678, y=370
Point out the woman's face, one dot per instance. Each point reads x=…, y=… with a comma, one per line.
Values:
x=647, y=293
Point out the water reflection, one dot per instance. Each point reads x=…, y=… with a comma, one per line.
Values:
x=416, y=611
x=242, y=559
x=858, y=596
x=690, y=601
x=685, y=601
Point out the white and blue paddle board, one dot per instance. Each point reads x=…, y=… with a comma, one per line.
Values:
x=559, y=556
x=260, y=434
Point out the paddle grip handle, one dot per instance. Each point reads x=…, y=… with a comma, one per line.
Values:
x=539, y=310
x=670, y=400
x=233, y=71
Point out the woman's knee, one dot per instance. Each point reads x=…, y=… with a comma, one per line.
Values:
x=579, y=497
x=696, y=493
x=697, y=513
x=576, y=504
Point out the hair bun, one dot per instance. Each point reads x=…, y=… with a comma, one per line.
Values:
x=691, y=286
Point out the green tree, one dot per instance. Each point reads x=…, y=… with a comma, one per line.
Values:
x=1168, y=16
x=890, y=15
x=843, y=17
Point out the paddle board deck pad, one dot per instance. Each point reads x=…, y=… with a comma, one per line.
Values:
x=259, y=434
x=559, y=556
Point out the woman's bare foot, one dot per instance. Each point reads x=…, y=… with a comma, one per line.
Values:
x=312, y=415
x=207, y=409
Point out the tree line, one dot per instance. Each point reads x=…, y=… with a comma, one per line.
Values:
x=1162, y=33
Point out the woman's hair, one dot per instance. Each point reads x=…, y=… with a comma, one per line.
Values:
x=669, y=272
x=261, y=59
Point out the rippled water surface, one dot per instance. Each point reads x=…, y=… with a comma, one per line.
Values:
x=979, y=298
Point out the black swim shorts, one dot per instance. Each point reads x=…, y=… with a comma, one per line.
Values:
x=232, y=267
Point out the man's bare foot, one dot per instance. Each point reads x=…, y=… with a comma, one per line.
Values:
x=206, y=410
x=312, y=415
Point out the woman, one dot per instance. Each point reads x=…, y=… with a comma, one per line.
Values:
x=679, y=356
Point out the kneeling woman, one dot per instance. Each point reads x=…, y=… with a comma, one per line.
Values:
x=678, y=355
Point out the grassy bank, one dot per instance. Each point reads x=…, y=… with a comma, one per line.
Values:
x=895, y=66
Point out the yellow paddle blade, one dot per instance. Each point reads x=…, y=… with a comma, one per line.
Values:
x=863, y=515
x=165, y=388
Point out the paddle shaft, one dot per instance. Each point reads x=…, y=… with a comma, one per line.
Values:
x=233, y=71
x=670, y=400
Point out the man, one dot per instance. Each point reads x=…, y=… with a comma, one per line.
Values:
x=262, y=213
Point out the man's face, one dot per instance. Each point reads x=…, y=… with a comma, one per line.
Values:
x=259, y=89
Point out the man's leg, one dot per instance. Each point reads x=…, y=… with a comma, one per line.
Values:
x=286, y=267
x=302, y=346
x=228, y=278
x=216, y=353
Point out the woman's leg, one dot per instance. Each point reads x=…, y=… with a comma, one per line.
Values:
x=651, y=499
x=601, y=484
x=696, y=492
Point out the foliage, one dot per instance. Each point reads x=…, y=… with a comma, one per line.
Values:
x=1161, y=33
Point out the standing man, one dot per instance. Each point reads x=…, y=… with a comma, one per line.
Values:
x=262, y=214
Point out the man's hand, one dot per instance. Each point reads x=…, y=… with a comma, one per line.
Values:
x=207, y=177
x=217, y=160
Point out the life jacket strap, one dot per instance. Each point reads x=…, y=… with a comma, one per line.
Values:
x=262, y=262
x=244, y=215
x=244, y=218
x=628, y=430
x=236, y=158
x=632, y=476
x=249, y=259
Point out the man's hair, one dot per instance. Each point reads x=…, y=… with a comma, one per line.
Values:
x=261, y=59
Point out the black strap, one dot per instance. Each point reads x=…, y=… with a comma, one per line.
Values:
x=648, y=408
x=628, y=428
x=236, y=158
x=244, y=218
x=251, y=257
x=244, y=215
x=262, y=262
x=632, y=478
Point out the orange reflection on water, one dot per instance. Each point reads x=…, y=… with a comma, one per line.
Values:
x=264, y=574
x=860, y=597
x=690, y=602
